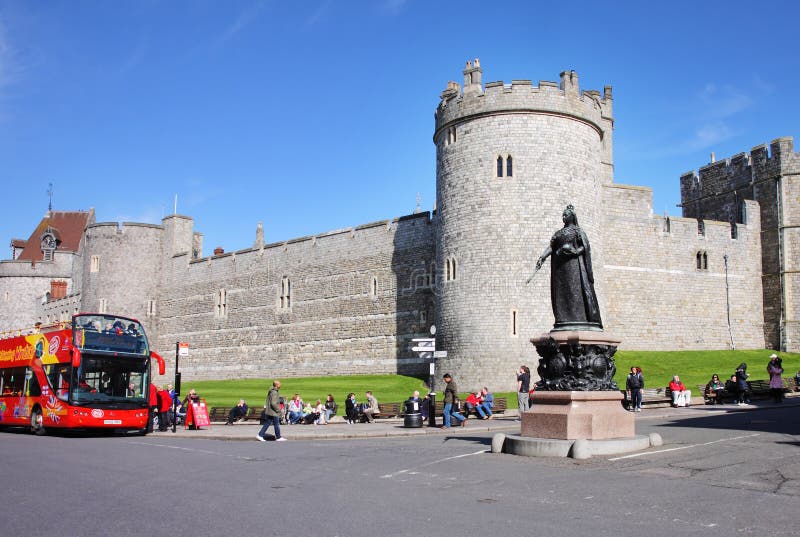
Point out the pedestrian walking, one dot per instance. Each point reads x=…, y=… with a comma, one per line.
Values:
x=450, y=396
x=272, y=413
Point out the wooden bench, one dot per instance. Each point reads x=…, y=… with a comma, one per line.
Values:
x=220, y=413
x=653, y=397
x=387, y=410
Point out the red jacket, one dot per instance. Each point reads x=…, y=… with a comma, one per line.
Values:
x=164, y=401
x=677, y=386
x=153, y=395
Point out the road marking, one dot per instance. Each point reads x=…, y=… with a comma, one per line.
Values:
x=683, y=447
x=407, y=470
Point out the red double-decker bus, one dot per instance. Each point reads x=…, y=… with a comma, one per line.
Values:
x=92, y=373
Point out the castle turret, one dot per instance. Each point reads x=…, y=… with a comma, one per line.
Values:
x=510, y=157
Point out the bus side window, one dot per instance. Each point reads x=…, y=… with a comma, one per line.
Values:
x=33, y=384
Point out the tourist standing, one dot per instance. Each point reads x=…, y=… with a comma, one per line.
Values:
x=523, y=387
x=634, y=384
x=450, y=396
x=272, y=410
x=775, y=370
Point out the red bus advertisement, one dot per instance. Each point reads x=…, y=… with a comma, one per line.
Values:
x=92, y=373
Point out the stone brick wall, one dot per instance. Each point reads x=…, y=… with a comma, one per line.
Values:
x=768, y=176
x=130, y=259
x=356, y=297
x=23, y=286
x=658, y=298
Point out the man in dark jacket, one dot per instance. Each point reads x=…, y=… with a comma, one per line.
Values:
x=450, y=396
x=272, y=409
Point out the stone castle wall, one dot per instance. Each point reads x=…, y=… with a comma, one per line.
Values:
x=357, y=298
x=658, y=298
x=769, y=176
x=23, y=286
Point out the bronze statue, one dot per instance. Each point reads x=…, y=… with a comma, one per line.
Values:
x=571, y=280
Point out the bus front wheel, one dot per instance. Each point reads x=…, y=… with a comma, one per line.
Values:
x=37, y=422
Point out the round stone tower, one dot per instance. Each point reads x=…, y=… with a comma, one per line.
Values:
x=121, y=268
x=509, y=159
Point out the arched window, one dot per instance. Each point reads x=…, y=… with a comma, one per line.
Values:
x=699, y=260
x=499, y=166
x=286, y=293
x=701, y=228
x=509, y=166
x=734, y=230
x=667, y=225
x=450, y=273
x=705, y=261
x=374, y=286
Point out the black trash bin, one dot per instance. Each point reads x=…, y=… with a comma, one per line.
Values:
x=412, y=415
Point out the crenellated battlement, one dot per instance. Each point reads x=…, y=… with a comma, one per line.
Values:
x=521, y=96
x=742, y=170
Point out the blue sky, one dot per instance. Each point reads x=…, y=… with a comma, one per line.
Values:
x=318, y=115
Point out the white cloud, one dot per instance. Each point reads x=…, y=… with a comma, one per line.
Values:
x=242, y=21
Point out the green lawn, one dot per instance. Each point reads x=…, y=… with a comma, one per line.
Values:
x=694, y=367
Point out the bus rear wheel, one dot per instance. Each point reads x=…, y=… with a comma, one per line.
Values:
x=37, y=422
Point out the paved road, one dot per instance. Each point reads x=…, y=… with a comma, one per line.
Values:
x=736, y=473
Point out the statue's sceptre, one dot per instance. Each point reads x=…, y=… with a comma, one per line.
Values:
x=539, y=263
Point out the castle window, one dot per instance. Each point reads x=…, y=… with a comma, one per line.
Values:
x=94, y=264
x=423, y=317
x=47, y=255
x=451, y=135
x=286, y=293
x=667, y=225
x=499, y=166
x=374, y=289
x=701, y=228
x=151, y=308
x=734, y=231
x=514, y=323
x=221, y=305
x=702, y=260
x=102, y=305
x=743, y=213
x=509, y=166
x=450, y=273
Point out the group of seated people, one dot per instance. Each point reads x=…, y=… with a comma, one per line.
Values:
x=480, y=402
x=299, y=412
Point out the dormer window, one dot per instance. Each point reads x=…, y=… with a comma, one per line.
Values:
x=48, y=246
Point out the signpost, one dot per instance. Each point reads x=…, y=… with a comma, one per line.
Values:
x=426, y=348
x=181, y=349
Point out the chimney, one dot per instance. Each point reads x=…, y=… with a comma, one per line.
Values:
x=58, y=289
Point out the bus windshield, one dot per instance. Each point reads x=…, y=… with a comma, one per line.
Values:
x=102, y=379
x=109, y=333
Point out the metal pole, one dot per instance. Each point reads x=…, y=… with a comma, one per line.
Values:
x=175, y=390
x=728, y=302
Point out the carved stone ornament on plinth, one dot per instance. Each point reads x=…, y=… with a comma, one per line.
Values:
x=577, y=397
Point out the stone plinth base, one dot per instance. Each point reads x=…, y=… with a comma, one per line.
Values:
x=577, y=449
x=576, y=415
